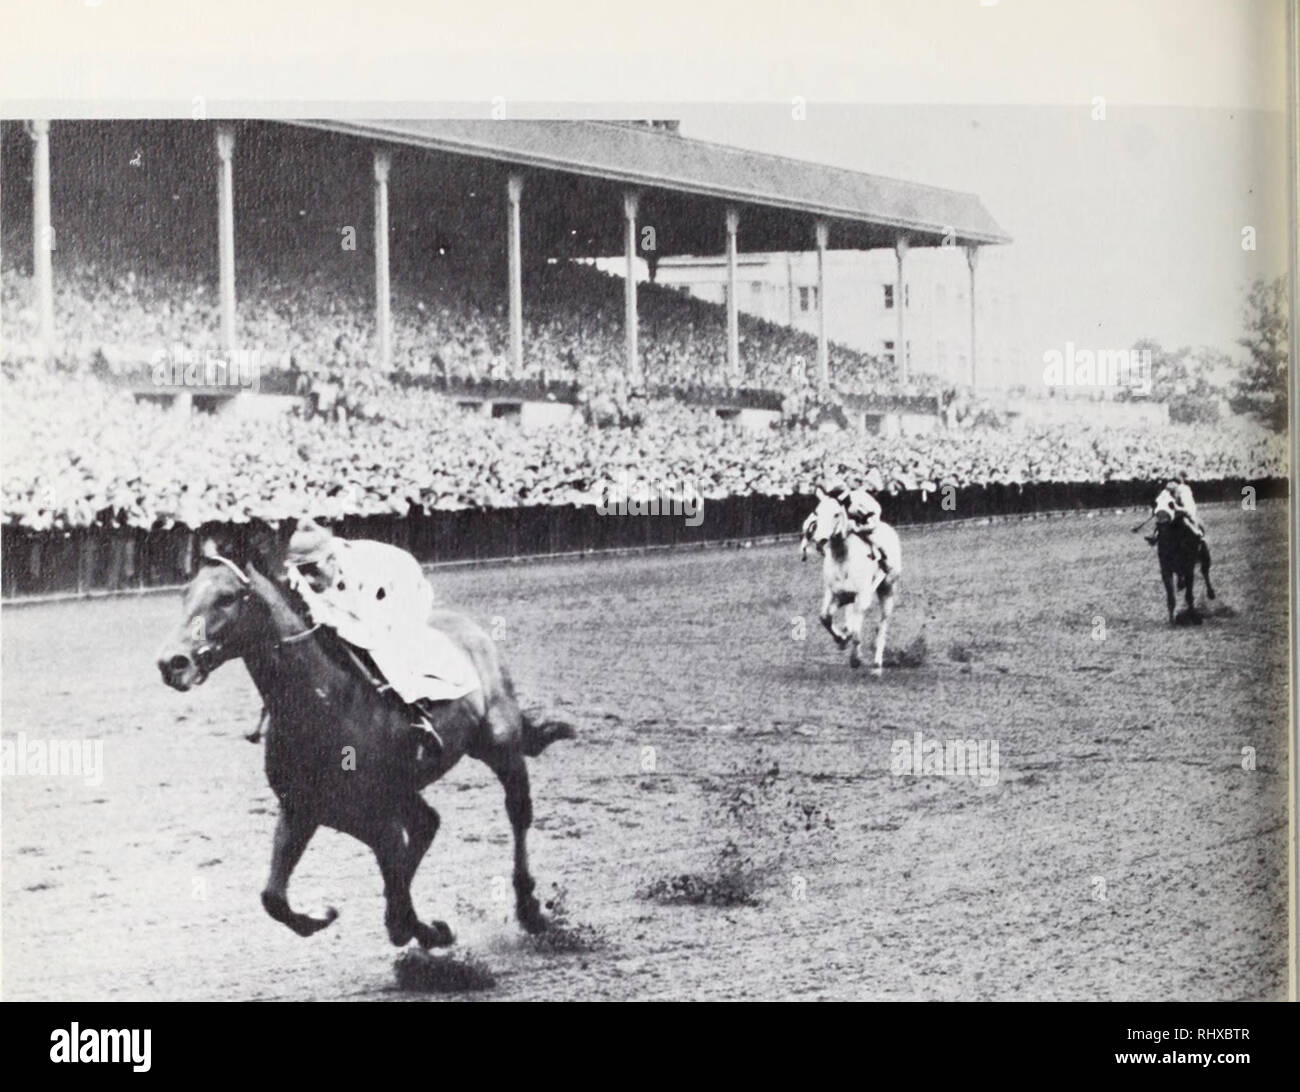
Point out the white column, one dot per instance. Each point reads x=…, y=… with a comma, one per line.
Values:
x=972, y=260
x=42, y=234
x=733, y=314
x=383, y=287
x=901, y=246
x=226, y=232
x=629, y=285
x=789, y=288
x=514, y=191
x=822, y=234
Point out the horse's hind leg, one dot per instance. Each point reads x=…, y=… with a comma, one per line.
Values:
x=886, y=597
x=399, y=846
x=1167, y=577
x=422, y=824
x=1205, y=571
x=292, y=833
x=512, y=771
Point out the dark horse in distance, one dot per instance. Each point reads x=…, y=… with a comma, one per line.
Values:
x=339, y=753
x=1180, y=550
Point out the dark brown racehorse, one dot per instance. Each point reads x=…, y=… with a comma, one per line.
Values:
x=340, y=754
x=1180, y=550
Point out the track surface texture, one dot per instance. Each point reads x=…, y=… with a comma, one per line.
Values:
x=1124, y=852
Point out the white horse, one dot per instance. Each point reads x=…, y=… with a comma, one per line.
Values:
x=851, y=576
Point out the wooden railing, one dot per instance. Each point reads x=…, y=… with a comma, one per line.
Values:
x=92, y=560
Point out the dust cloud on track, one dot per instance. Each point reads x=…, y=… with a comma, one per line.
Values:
x=1123, y=853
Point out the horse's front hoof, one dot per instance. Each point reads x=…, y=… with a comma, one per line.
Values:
x=306, y=925
x=437, y=934
x=531, y=917
x=877, y=671
x=855, y=660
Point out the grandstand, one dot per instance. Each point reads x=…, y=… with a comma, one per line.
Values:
x=416, y=292
x=479, y=205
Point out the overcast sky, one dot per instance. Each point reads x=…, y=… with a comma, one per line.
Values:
x=1124, y=228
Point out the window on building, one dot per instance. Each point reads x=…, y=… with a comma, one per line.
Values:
x=889, y=296
x=887, y=351
x=907, y=295
x=808, y=298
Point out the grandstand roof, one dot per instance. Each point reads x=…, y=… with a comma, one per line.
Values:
x=865, y=211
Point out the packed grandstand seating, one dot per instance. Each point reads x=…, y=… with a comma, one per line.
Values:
x=80, y=452
x=445, y=325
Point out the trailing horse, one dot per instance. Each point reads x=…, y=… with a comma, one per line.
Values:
x=851, y=578
x=339, y=753
x=1179, y=550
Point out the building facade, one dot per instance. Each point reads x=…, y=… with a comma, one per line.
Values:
x=861, y=301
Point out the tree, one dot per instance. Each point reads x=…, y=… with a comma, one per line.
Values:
x=1182, y=379
x=1261, y=391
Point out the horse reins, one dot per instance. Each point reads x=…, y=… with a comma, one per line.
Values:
x=210, y=649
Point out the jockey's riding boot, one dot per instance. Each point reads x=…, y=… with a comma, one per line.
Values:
x=428, y=742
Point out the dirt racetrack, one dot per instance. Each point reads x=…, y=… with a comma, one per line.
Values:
x=1124, y=853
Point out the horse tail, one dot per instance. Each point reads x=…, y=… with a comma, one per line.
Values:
x=540, y=734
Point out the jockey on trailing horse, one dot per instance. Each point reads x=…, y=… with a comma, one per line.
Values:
x=376, y=598
x=861, y=564
x=863, y=511
x=1180, y=543
x=1176, y=500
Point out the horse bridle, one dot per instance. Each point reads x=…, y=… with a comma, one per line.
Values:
x=208, y=655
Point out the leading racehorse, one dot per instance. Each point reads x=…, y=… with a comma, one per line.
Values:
x=338, y=752
x=851, y=578
x=1180, y=550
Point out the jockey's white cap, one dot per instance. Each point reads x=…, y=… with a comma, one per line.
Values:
x=310, y=543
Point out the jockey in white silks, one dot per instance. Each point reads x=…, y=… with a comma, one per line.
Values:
x=375, y=597
x=864, y=511
x=1177, y=497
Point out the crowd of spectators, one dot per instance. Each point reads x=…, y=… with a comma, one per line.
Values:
x=317, y=325
x=78, y=452
x=79, y=448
